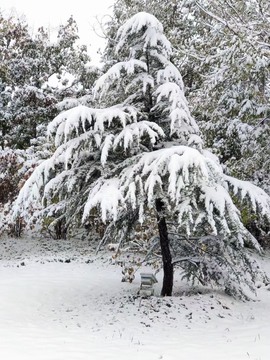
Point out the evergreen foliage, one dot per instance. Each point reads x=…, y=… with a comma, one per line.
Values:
x=28, y=97
x=35, y=76
x=222, y=50
x=141, y=153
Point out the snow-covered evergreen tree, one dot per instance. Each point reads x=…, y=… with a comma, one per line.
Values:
x=140, y=155
x=223, y=56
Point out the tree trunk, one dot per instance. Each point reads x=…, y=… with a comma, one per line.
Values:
x=165, y=250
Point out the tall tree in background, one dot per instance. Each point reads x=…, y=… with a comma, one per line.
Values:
x=28, y=62
x=141, y=154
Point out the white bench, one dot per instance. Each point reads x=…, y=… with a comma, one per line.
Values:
x=147, y=282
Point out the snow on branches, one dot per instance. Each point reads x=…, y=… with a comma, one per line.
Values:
x=121, y=142
x=70, y=121
x=192, y=185
x=114, y=74
x=139, y=154
x=181, y=121
x=252, y=194
x=151, y=28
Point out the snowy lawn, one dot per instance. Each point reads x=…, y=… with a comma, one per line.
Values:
x=56, y=303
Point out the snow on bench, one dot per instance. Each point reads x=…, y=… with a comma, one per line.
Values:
x=147, y=282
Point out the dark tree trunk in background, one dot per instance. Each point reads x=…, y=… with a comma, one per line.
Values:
x=165, y=250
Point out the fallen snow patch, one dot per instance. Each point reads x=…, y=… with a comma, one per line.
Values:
x=57, y=303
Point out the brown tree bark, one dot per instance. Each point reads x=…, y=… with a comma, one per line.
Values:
x=165, y=250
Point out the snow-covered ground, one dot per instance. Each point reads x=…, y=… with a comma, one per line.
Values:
x=56, y=303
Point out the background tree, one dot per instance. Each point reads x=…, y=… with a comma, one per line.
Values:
x=30, y=66
x=36, y=74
